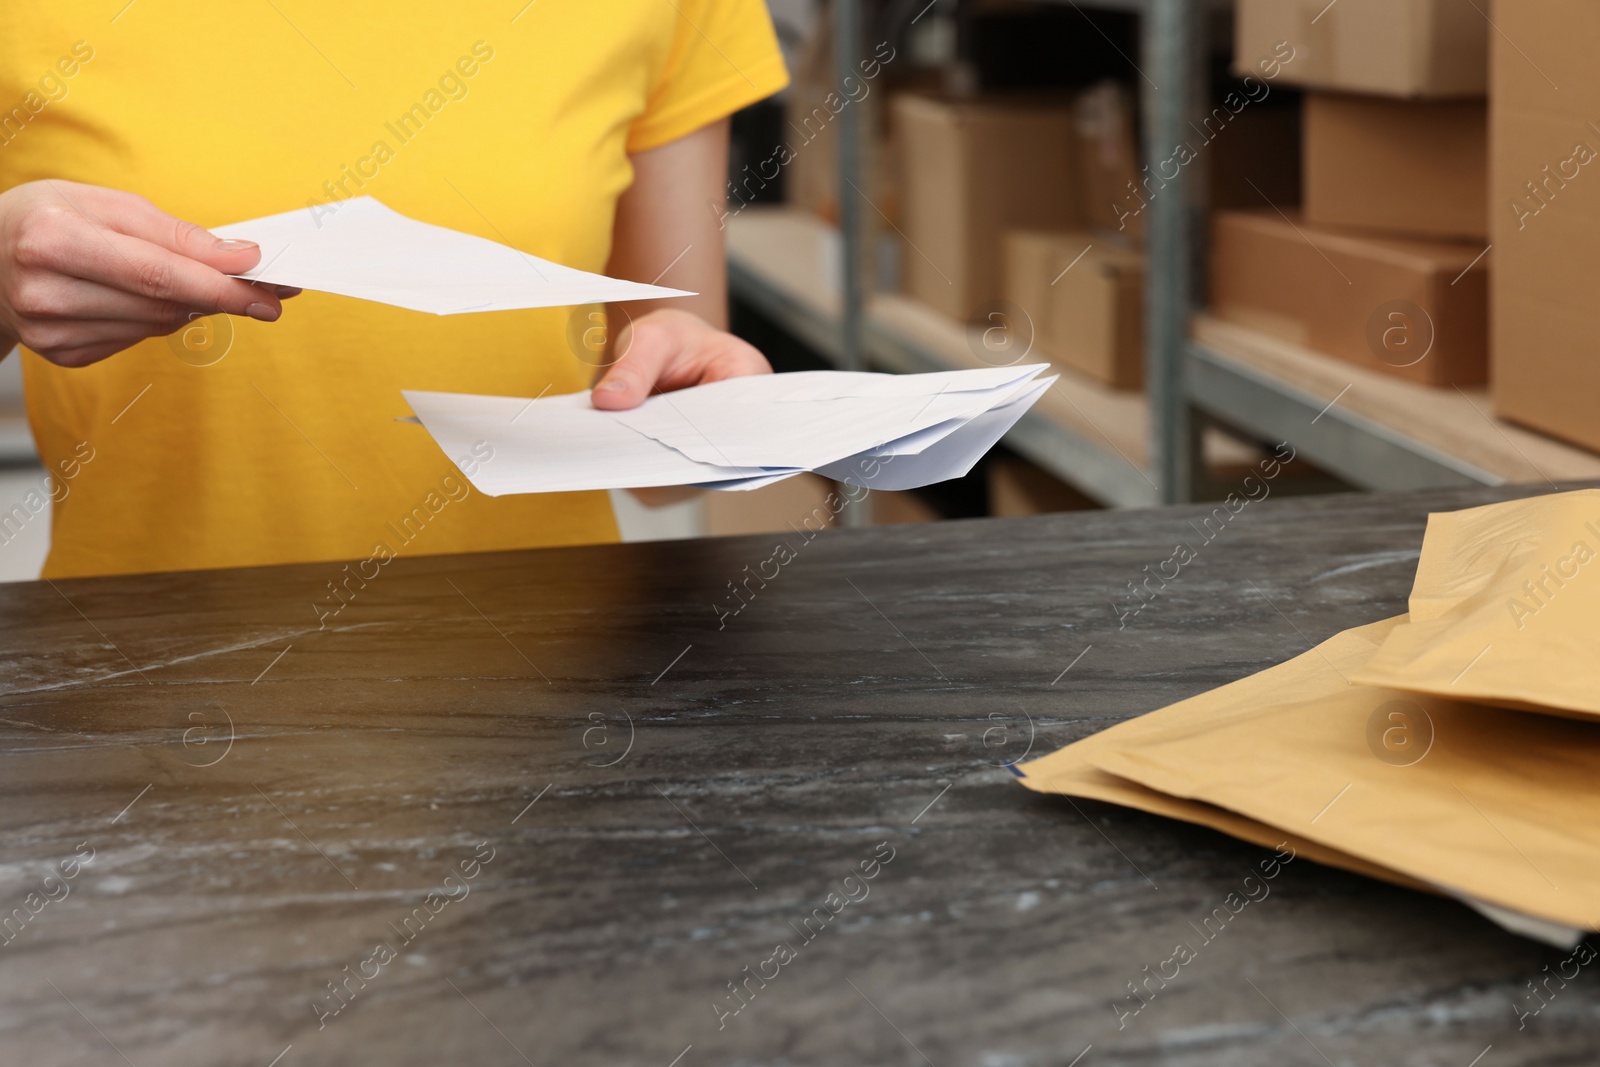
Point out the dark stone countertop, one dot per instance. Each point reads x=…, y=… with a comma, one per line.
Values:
x=655, y=803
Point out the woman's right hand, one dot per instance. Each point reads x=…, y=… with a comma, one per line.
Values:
x=87, y=271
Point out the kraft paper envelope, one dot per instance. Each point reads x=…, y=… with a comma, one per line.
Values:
x=1484, y=804
x=1070, y=773
x=1505, y=609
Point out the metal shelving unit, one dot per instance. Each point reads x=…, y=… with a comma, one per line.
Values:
x=1200, y=380
x=1173, y=56
x=1387, y=434
x=1371, y=430
x=1172, y=63
x=1197, y=372
x=1359, y=450
x=1062, y=434
x=1175, y=43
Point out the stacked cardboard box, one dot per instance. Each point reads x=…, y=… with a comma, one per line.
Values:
x=1247, y=147
x=1399, y=48
x=1407, y=307
x=1000, y=195
x=1108, y=157
x=971, y=170
x=1398, y=166
x=1545, y=218
x=809, y=150
x=1084, y=298
x=1386, y=265
x=1018, y=487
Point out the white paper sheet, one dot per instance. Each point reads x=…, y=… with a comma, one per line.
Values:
x=756, y=422
x=562, y=443
x=361, y=248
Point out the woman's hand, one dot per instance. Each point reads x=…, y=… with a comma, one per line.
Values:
x=666, y=235
x=86, y=272
x=670, y=349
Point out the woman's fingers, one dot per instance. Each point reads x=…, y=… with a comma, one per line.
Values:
x=649, y=351
x=78, y=231
x=86, y=271
x=670, y=349
x=136, y=266
x=134, y=216
x=61, y=297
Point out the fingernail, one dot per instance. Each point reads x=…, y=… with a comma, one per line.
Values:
x=264, y=312
x=235, y=246
x=286, y=291
x=611, y=385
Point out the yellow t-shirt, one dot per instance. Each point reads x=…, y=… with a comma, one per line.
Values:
x=512, y=124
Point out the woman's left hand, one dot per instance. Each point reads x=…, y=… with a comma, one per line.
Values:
x=669, y=349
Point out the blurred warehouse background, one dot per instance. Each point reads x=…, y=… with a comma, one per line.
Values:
x=1358, y=233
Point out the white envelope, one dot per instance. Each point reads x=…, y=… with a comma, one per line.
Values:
x=557, y=444
x=837, y=384
x=949, y=450
x=363, y=249
x=953, y=456
x=744, y=485
x=562, y=443
x=756, y=422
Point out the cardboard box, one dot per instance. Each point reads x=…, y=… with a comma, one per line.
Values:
x=970, y=171
x=810, y=128
x=812, y=108
x=1408, y=48
x=1545, y=219
x=1404, y=166
x=774, y=509
x=1245, y=150
x=1017, y=487
x=1085, y=298
x=1107, y=153
x=900, y=508
x=813, y=177
x=1414, y=309
x=1031, y=259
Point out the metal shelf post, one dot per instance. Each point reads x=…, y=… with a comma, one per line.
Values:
x=1173, y=50
x=846, y=53
x=852, y=235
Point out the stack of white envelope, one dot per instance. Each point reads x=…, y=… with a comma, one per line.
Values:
x=882, y=431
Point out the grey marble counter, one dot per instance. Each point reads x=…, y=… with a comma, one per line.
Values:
x=620, y=795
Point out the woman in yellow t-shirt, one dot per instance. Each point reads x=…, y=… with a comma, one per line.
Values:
x=590, y=133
